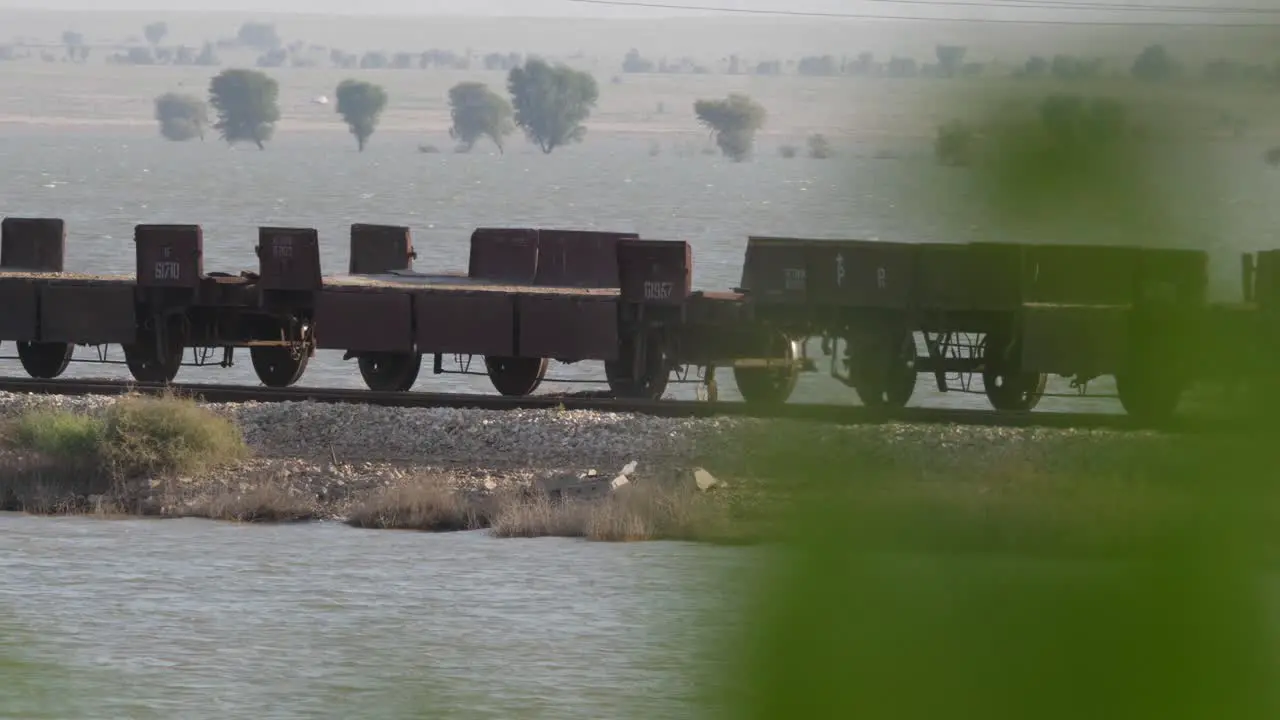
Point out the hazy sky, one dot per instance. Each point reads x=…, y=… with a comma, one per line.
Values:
x=422, y=7
x=546, y=8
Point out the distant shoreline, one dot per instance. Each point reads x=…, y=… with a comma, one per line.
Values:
x=429, y=131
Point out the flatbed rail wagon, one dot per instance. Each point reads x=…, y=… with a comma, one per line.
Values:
x=1009, y=314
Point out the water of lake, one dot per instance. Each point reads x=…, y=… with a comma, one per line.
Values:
x=194, y=619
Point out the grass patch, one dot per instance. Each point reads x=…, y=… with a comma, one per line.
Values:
x=637, y=513
x=428, y=506
x=62, y=435
x=59, y=462
x=269, y=503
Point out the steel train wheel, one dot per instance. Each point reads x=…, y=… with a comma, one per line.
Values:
x=279, y=366
x=1007, y=386
x=45, y=360
x=516, y=376
x=653, y=378
x=390, y=372
x=883, y=368
x=771, y=386
x=152, y=364
x=1149, y=396
x=1014, y=392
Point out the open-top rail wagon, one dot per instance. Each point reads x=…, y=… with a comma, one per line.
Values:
x=168, y=306
x=1010, y=314
x=533, y=296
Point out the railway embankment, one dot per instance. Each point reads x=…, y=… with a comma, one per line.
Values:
x=520, y=473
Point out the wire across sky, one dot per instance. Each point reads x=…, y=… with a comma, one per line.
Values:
x=1048, y=5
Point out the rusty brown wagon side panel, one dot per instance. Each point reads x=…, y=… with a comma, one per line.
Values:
x=378, y=249
x=658, y=272
x=579, y=258
x=1266, y=284
x=33, y=243
x=568, y=327
x=169, y=256
x=364, y=321
x=466, y=323
x=1180, y=277
x=971, y=277
x=775, y=270
x=288, y=259
x=1079, y=274
x=504, y=255
x=1065, y=340
x=17, y=309
x=860, y=274
x=88, y=314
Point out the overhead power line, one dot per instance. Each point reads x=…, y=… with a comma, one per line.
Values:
x=1014, y=4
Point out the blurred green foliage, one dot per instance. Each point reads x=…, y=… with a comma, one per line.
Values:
x=892, y=599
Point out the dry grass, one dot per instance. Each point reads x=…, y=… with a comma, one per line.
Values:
x=639, y=512
x=427, y=505
x=270, y=502
x=32, y=483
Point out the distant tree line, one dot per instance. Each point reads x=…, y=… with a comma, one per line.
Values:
x=1152, y=64
x=549, y=102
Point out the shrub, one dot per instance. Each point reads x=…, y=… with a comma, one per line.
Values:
x=428, y=506
x=820, y=147
x=67, y=437
x=145, y=436
x=135, y=437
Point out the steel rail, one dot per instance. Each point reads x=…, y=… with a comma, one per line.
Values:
x=821, y=413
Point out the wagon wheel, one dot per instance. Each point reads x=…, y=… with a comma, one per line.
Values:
x=45, y=360
x=770, y=385
x=390, y=372
x=654, y=377
x=516, y=376
x=1149, y=395
x=1014, y=391
x=156, y=362
x=882, y=368
x=1008, y=387
x=279, y=365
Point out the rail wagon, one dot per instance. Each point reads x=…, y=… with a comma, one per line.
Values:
x=1011, y=313
x=527, y=298
x=169, y=305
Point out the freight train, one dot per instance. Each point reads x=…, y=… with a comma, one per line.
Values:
x=1011, y=314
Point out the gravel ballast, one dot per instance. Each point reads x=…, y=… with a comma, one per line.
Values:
x=335, y=454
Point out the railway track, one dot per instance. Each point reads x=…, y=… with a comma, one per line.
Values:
x=828, y=414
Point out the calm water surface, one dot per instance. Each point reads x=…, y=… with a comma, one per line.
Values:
x=193, y=619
